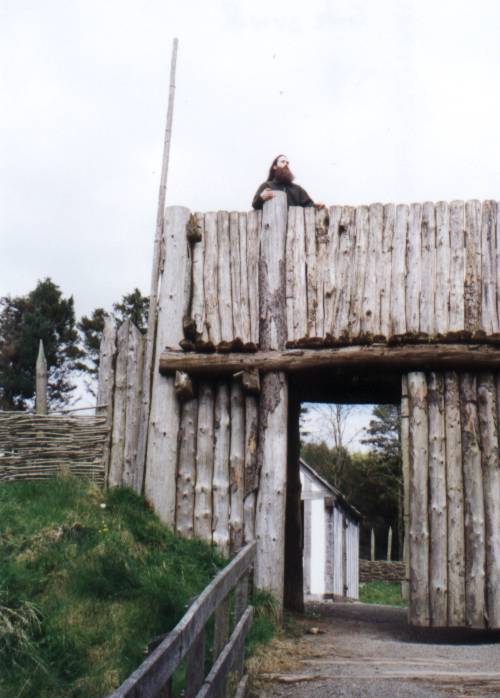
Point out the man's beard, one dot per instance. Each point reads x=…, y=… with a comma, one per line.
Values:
x=283, y=175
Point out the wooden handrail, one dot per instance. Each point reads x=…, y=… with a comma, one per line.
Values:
x=154, y=673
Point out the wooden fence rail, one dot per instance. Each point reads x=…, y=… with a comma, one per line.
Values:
x=187, y=639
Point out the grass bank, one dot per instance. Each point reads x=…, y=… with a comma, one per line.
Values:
x=87, y=578
x=387, y=593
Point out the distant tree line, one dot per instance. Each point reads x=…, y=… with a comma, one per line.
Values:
x=71, y=347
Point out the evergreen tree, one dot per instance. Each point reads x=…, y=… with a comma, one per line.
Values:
x=44, y=315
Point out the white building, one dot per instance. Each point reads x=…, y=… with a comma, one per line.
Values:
x=331, y=539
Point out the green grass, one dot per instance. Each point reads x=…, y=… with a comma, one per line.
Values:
x=388, y=593
x=87, y=579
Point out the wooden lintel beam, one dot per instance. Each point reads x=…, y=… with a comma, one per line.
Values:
x=414, y=357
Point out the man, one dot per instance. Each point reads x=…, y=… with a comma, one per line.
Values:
x=280, y=178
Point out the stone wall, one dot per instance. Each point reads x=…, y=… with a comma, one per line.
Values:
x=381, y=571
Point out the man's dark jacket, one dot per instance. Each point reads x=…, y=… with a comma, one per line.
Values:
x=295, y=195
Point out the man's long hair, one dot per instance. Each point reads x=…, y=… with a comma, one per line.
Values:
x=270, y=176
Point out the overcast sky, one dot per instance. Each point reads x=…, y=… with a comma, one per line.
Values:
x=372, y=100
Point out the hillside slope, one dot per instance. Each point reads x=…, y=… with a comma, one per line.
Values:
x=87, y=578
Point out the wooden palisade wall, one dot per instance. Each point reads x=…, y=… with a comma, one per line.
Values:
x=454, y=499
x=215, y=463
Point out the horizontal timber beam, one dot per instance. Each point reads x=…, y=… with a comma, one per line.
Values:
x=408, y=357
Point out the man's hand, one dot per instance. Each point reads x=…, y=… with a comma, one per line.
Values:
x=267, y=194
x=319, y=204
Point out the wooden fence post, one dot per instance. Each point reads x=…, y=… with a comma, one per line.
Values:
x=41, y=381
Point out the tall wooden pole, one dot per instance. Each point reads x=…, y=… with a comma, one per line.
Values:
x=155, y=276
x=41, y=381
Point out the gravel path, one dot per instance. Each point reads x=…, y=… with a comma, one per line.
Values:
x=369, y=651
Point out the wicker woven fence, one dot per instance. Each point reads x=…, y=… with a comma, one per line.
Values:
x=36, y=446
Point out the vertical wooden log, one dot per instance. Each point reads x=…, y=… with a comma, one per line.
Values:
x=235, y=268
x=294, y=578
x=158, y=252
x=488, y=424
x=328, y=290
x=413, y=269
x=438, y=562
x=324, y=240
x=347, y=244
x=489, y=313
x=204, y=463
x=254, y=222
x=186, y=469
x=372, y=545
x=211, y=278
x=455, y=503
x=244, y=288
x=358, y=270
x=132, y=470
x=220, y=482
x=428, y=285
x=419, y=526
x=457, y=267
x=386, y=270
x=198, y=295
x=161, y=461
x=273, y=409
x=106, y=384
x=296, y=282
x=443, y=257
x=313, y=291
x=370, y=311
x=115, y=477
x=224, y=277
x=472, y=282
x=389, y=544
x=251, y=467
x=41, y=381
x=474, y=504
x=398, y=272
x=236, y=466
x=497, y=257
x=405, y=460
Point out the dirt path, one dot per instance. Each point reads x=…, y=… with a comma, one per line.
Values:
x=369, y=651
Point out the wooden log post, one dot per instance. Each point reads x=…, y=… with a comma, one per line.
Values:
x=474, y=504
x=405, y=462
x=115, y=475
x=161, y=460
x=132, y=470
x=204, y=463
x=251, y=468
x=455, y=502
x=186, y=469
x=150, y=366
x=236, y=467
x=41, y=381
x=220, y=482
x=106, y=384
x=273, y=408
x=488, y=425
x=438, y=533
x=419, y=611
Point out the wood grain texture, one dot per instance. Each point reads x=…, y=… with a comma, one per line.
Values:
x=161, y=459
x=473, y=504
x=204, y=463
x=419, y=610
x=455, y=502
